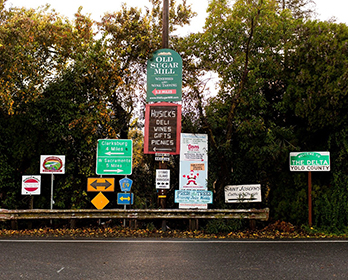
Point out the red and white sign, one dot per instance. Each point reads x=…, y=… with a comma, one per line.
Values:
x=31, y=185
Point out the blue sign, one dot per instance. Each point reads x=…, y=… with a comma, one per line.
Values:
x=193, y=196
x=125, y=198
x=125, y=184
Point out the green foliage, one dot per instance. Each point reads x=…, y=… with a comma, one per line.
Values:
x=282, y=88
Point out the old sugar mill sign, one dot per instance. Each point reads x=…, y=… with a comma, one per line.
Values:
x=164, y=76
x=162, y=128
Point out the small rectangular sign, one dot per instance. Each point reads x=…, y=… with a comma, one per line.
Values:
x=163, y=179
x=243, y=194
x=52, y=164
x=310, y=161
x=193, y=196
x=162, y=158
x=125, y=198
x=101, y=184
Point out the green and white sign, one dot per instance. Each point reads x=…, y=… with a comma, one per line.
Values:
x=114, y=157
x=310, y=161
x=164, y=76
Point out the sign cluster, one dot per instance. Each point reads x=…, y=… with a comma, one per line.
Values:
x=163, y=119
x=114, y=157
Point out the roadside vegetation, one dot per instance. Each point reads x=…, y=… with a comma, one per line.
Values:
x=282, y=87
x=274, y=231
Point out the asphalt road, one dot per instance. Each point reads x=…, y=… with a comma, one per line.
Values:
x=172, y=259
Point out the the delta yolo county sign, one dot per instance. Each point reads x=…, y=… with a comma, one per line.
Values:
x=310, y=161
x=164, y=76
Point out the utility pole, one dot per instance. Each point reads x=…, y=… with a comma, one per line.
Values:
x=162, y=194
x=165, y=24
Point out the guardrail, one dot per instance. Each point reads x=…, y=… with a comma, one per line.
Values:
x=135, y=214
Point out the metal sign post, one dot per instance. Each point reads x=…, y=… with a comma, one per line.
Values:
x=52, y=202
x=310, y=198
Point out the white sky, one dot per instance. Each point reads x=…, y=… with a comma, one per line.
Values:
x=325, y=8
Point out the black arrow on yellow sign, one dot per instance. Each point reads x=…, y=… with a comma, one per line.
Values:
x=101, y=184
x=106, y=184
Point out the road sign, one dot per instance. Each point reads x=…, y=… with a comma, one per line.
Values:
x=125, y=198
x=162, y=128
x=100, y=201
x=163, y=179
x=125, y=184
x=193, y=196
x=114, y=157
x=101, y=184
x=31, y=185
x=164, y=76
x=52, y=164
x=243, y=193
x=310, y=161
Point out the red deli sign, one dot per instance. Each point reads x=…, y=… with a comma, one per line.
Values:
x=162, y=128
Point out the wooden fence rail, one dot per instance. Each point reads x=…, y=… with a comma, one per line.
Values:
x=136, y=214
x=258, y=214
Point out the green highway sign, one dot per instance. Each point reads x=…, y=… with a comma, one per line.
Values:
x=164, y=76
x=310, y=161
x=114, y=157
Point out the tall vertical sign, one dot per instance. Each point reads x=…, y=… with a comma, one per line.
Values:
x=193, y=165
x=164, y=76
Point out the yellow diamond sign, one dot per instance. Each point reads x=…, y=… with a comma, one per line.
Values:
x=100, y=201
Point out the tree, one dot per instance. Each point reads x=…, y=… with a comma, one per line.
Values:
x=69, y=89
x=248, y=55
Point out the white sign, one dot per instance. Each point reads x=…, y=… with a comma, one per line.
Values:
x=163, y=179
x=193, y=161
x=243, y=194
x=52, y=164
x=194, y=147
x=31, y=185
x=193, y=166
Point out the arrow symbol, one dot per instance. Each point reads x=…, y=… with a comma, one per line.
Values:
x=117, y=170
x=110, y=153
x=95, y=184
x=162, y=149
x=125, y=198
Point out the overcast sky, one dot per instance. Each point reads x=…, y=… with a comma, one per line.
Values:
x=325, y=8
